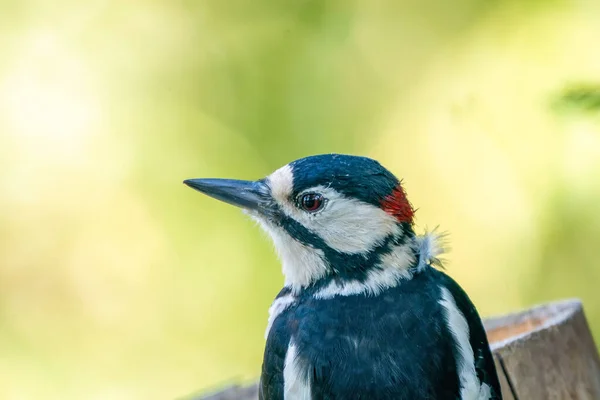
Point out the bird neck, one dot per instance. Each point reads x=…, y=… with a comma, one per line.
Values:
x=385, y=265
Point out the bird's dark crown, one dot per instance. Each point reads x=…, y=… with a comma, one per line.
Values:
x=356, y=177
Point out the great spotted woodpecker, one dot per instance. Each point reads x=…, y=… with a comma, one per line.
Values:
x=362, y=314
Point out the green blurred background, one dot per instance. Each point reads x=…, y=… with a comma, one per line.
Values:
x=118, y=282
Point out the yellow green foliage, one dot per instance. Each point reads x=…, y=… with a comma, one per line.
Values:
x=118, y=282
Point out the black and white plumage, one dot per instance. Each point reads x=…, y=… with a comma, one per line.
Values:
x=363, y=314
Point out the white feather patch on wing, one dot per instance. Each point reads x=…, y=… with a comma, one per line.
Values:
x=394, y=267
x=470, y=387
x=296, y=384
x=279, y=305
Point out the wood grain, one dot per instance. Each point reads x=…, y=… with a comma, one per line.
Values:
x=555, y=357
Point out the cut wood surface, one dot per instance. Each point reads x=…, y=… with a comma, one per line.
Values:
x=546, y=352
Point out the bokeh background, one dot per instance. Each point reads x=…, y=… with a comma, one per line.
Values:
x=118, y=282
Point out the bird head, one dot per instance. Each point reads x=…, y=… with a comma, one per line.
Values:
x=335, y=219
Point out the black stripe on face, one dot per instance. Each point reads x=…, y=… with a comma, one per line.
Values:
x=345, y=266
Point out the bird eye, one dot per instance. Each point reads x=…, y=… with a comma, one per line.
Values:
x=311, y=202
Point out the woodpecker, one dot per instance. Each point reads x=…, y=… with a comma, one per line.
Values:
x=364, y=313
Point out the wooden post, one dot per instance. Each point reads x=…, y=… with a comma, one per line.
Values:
x=544, y=353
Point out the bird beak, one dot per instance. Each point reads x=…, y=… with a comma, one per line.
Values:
x=250, y=195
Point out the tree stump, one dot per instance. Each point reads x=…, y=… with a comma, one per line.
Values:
x=546, y=352
x=543, y=353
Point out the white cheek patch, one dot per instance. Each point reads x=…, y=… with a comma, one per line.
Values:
x=346, y=225
x=351, y=226
x=301, y=264
x=470, y=387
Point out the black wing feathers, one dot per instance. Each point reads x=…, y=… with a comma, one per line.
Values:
x=396, y=345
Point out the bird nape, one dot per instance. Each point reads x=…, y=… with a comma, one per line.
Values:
x=362, y=314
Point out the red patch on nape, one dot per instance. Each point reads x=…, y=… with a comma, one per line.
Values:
x=397, y=204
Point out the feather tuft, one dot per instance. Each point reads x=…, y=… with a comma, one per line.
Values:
x=429, y=247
